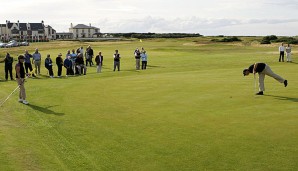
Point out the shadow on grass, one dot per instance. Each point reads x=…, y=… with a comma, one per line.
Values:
x=45, y=110
x=284, y=98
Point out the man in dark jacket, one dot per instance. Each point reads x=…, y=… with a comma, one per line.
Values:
x=68, y=65
x=59, y=62
x=89, y=55
x=49, y=65
x=80, y=64
x=8, y=66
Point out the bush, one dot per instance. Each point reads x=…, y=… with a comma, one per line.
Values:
x=227, y=39
x=265, y=41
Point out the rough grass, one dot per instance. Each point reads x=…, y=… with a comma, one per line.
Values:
x=190, y=110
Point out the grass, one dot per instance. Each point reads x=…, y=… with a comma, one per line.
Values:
x=192, y=109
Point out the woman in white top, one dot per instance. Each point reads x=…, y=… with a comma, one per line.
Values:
x=288, y=53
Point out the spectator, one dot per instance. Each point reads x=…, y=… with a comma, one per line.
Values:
x=137, y=54
x=49, y=65
x=8, y=66
x=281, y=52
x=37, y=61
x=89, y=55
x=80, y=64
x=288, y=53
x=98, y=60
x=59, y=62
x=144, y=59
x=117, y=60
x=68, y=65
x=28, y=64
x=73, y=58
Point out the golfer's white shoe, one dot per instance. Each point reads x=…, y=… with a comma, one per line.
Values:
x=21, y=100
x=25, y=102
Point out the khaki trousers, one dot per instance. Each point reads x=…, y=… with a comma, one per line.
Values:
x=269, y=72
x=37, y=67
x=21, y=82
x=138, y=64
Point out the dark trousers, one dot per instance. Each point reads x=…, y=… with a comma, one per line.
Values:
x=117, y=65
x=144, y=64
x=28, y=66
x=281, y=56
x=8, y=69
x=59, y=70
x=69, y=71
x=50, y=68
x=88, y=61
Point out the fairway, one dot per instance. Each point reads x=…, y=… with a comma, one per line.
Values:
x=192, y=109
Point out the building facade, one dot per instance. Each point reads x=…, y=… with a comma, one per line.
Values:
x=84, y=31
x=26, y=31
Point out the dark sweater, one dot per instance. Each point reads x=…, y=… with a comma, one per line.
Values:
x=260, y=67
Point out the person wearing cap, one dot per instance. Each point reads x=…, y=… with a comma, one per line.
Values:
x=263, y=69
x=37, y=61
x=49, y=65
x=59, y=62
x=20, y=76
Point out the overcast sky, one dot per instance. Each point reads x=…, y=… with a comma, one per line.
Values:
x=207, y=17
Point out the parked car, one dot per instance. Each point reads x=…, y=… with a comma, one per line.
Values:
x=2, y=45
x=24, y=43
x=12, y=43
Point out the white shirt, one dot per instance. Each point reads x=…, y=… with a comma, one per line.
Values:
x=281, y=48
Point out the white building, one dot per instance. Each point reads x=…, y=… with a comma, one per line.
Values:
x=26, y=31
x=84, y=31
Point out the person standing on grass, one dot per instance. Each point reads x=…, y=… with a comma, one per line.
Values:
x=281, y=53
x=73, y=58
x=117, y=60
x=137, y=54
x=49, y=65
x=263, y=69
x=144, y=59
x=59, y=62
x=68, y=65
x=28, y=64
x=20, y=76
x=98, y=60
x=37, y=61
x=89, y=55
x=8, y=66
x=288, y=53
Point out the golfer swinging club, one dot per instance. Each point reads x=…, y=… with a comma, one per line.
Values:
x=263, y=69
x=20, y=76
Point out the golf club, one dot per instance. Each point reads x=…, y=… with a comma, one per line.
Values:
x=255, y=90
x=9, y=95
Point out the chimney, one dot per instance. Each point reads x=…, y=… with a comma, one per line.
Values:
x=90, y=24
x=71, y=26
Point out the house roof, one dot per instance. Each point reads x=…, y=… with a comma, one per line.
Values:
x=83, y=26
x=9, y=25
x=23, y=27
x=36, y=26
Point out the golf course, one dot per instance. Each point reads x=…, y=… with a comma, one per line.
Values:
x=191, y=109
